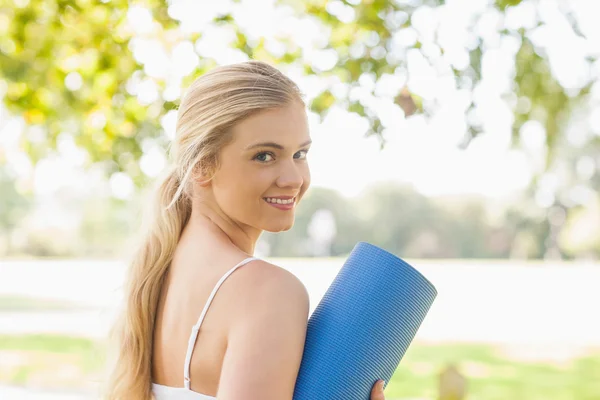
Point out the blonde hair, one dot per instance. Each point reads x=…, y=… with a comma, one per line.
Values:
x=211, y=106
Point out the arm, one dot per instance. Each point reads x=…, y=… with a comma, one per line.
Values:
x=266, y=341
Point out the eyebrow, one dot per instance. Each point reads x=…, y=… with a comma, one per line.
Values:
x=275, y=145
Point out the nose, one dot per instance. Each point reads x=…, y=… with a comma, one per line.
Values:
x=292, y=174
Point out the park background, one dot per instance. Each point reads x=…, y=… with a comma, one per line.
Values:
x=462, y=136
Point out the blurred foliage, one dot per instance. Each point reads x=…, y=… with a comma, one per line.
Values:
x=14, y=205
x=373, y=28
x=46, y=43
x=68, y=68
x=394, y=217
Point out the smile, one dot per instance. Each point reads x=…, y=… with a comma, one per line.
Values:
x=284, y=205
x=279, y=201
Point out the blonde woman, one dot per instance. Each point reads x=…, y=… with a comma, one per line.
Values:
x=203, y=318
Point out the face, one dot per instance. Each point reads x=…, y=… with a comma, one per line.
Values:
x=267, y=158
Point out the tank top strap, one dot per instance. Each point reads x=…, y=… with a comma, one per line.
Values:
x=196, y=327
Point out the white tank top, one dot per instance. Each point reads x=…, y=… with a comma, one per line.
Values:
x=162, y=392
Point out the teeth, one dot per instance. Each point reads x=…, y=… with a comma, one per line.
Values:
x=279, y=201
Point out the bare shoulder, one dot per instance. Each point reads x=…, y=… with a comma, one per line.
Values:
x=266, y=338
x=263, y=284
x=266, y=287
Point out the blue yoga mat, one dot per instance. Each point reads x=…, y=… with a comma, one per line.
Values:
x=360, y=330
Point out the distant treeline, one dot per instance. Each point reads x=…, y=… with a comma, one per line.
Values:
x=397, y=218
x=406, y=223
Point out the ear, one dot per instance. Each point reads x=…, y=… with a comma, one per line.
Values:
x=203, y=183
x=201, y=176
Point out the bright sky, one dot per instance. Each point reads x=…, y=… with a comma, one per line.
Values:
x=419, y=152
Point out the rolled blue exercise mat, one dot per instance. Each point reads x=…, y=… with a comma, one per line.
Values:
x=363, y=325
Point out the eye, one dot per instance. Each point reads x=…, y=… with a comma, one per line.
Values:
x=261, y=154
x=305, y=153
x=266, y=153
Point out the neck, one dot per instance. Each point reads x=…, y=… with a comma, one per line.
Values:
x=218, y=225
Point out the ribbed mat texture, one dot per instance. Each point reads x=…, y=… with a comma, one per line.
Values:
x=363, y=325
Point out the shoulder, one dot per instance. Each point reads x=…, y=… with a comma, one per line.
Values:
x=265, y=343
x=266, y=287
x=267, y=281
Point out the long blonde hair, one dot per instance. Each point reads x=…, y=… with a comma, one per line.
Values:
x=211, y=106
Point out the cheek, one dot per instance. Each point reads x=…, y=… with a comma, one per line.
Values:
x=252, y=186
x=306, y=182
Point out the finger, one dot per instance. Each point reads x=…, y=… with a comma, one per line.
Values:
x=377, y=391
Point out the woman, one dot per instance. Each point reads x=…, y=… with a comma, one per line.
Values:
x=239, y=169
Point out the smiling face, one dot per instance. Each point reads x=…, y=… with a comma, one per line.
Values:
x=267, y=158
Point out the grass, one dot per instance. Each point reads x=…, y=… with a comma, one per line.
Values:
x=493, y=375
x=26, y=304
x=54, y=361
x=50, y=361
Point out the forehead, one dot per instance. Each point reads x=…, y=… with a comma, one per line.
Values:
x=285, y=125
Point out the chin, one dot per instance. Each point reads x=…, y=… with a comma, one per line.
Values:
x=280, y=228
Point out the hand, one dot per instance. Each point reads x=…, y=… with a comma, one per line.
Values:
x=377, y=391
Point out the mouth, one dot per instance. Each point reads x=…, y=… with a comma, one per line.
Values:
x=284, y=204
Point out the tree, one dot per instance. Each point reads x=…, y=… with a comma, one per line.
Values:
x=13, y=204
x=68, y=66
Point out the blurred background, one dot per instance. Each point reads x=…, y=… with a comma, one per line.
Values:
x=462, y=136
